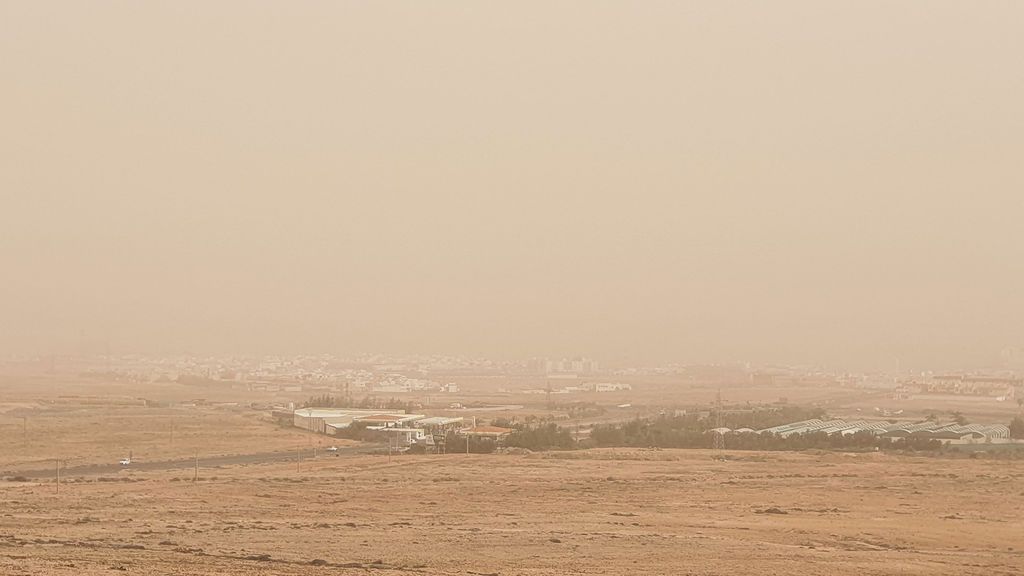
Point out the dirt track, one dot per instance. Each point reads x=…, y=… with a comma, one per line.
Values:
x=188, y=464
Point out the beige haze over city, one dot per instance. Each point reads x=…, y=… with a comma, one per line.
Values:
x=835, y=183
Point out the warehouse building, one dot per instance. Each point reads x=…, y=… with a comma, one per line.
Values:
x=329, y=420
x=946, y=432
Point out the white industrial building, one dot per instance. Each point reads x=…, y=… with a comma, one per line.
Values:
x=945, y=432
x=329, y=420
x=402, y=429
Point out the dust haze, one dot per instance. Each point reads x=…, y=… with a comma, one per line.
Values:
x=511, y=289
x=663, y=181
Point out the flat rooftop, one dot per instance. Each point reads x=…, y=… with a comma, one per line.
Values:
x=438, y=421
x=344, y=412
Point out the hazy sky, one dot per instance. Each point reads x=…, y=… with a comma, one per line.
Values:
x=817, y=182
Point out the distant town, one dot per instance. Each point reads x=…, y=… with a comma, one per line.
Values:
x=431, y=403
x=383, y=374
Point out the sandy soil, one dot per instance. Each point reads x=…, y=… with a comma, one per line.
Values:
x=104, y=432
x=595, y=512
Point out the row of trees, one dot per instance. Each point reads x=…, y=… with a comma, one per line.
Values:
x=1017, y=428
x=683, y=426
x=957, y=417
x=643, y=434
x=693, y=430
x=544, y=437
x=371, y=402
x=639, y=435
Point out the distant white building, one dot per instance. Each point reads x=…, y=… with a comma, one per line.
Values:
x=399, y=383
x=571, y=366
x=611, y=387
x=330, y=420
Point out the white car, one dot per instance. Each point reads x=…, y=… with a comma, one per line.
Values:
x=332, y=449
x=126, y=461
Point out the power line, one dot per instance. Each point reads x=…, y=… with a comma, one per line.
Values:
x=718, y=442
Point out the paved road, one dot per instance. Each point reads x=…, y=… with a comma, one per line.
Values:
x=189, y=463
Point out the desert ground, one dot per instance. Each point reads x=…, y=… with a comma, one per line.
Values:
x=591, y=512
x=82, y=434
x=608, y=511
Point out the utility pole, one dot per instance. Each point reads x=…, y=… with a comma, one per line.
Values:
x=719, y=438
x=298, y=458
x=58, y=475
x=195, y=475
x=389, y=449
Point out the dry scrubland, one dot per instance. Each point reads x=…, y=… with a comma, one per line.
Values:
x=85, y=421
x=103, y=433
x=596, y=512
x=592, y=512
